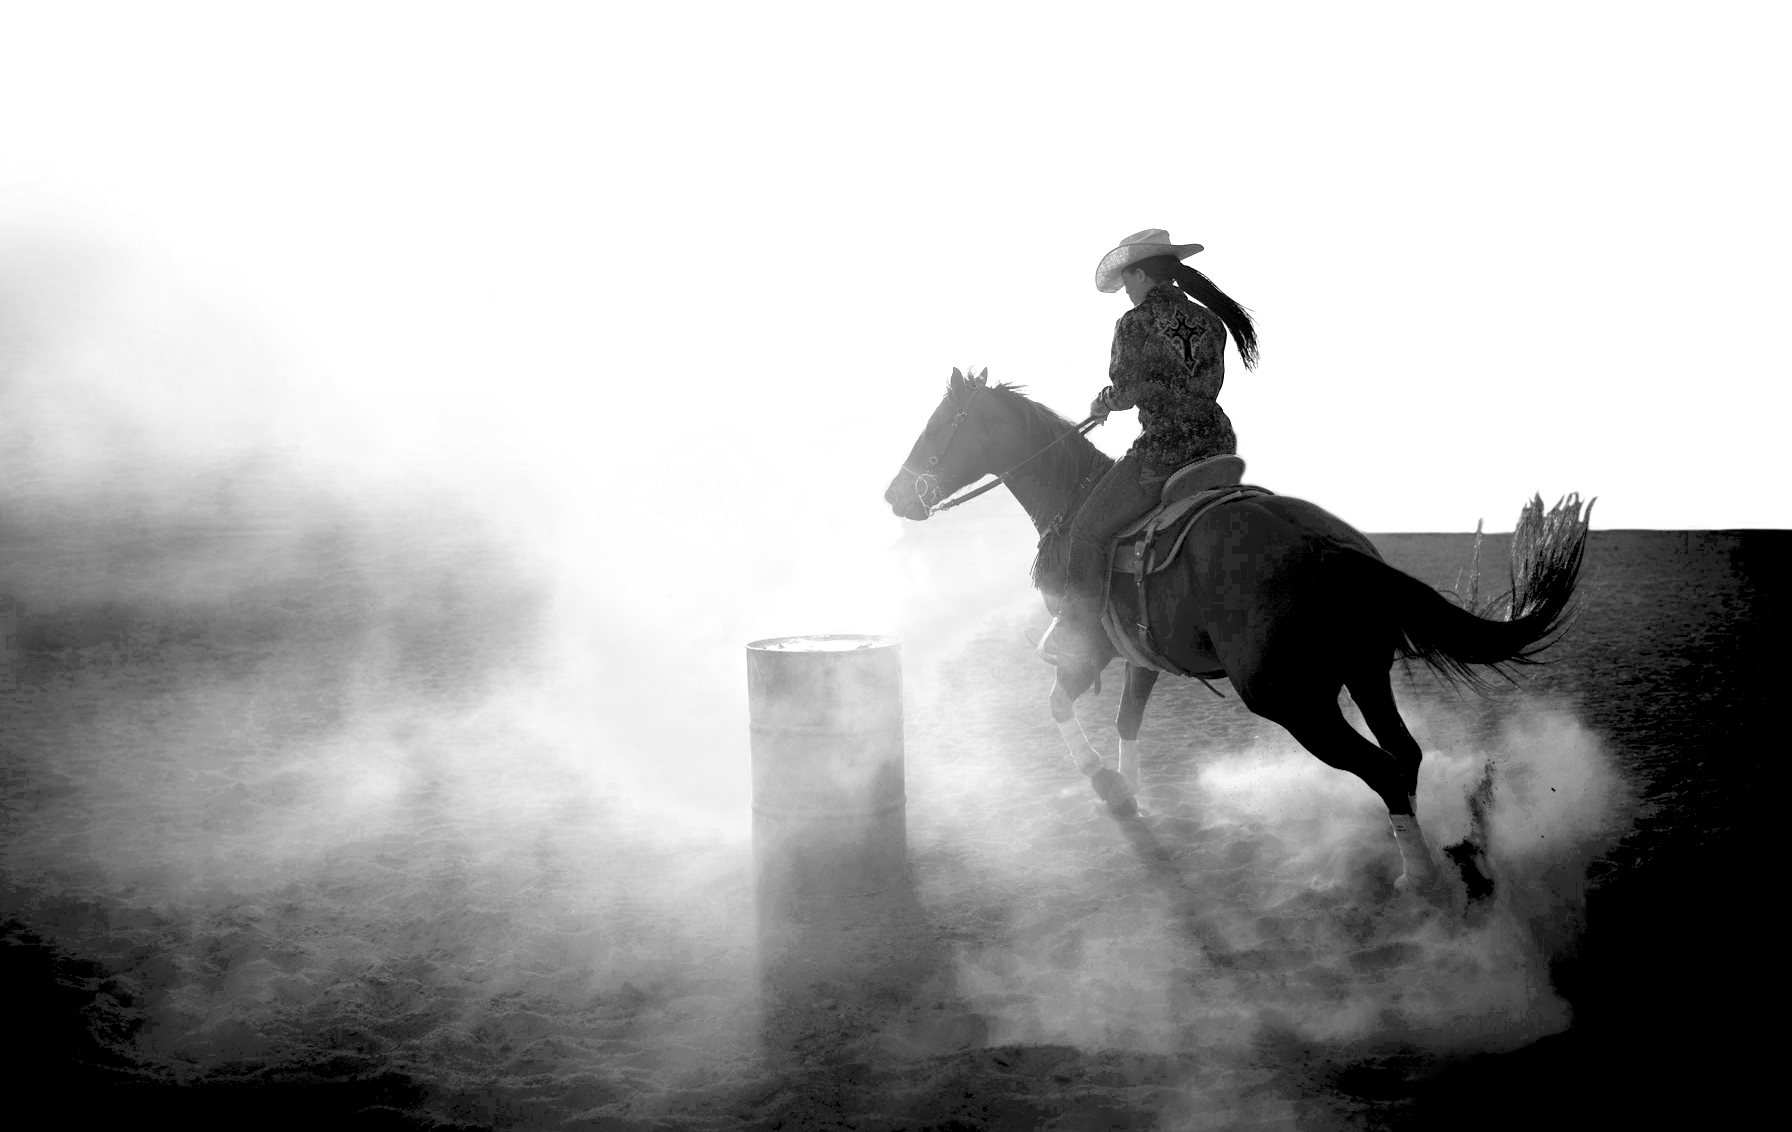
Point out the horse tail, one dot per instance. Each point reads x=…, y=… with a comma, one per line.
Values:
x=1453, y=641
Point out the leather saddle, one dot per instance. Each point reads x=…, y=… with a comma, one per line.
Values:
x=1151, y=544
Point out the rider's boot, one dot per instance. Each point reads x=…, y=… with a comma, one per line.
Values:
x=1075, y=634
x=1067, y=642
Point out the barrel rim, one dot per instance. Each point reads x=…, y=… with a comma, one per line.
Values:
x=877, y=641
x=844, y=814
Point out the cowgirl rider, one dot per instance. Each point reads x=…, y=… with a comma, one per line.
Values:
x=1168, y=360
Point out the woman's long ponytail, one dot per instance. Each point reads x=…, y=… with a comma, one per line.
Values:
x=1201, y=289
x=1238, y=320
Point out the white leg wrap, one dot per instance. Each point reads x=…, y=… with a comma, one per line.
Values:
x=1087, y=760
x=1415, y=855
x=1129, y=762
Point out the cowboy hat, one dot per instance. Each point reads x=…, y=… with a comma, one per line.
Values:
x=1140, y=245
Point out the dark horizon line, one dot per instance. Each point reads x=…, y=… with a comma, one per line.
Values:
x=1617, y=531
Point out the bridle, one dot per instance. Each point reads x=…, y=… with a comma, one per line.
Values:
x=927, y=484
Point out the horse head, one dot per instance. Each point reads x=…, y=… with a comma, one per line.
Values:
x=952, y=451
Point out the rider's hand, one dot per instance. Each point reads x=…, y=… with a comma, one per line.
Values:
x=1098, y=408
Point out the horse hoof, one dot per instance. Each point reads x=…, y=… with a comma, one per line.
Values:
x=1417, y=884
x=1114, y=790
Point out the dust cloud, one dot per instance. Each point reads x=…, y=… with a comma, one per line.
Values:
x=1271, y=916
x=312, y=731
x=436, y=753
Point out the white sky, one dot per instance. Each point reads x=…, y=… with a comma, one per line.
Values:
x=617, y=248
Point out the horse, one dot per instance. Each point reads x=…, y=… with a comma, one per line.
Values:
x=1284, y=599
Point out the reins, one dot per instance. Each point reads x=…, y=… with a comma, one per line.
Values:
x=1083, y=429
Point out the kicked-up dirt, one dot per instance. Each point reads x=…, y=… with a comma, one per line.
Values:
x=250, y=874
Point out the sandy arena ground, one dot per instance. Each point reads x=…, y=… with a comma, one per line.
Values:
x=408, y=914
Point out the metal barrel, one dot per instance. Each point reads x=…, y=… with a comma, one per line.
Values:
x=12, y=616
x=828, y=801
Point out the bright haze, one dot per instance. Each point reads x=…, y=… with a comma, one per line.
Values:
x=589, y=337
x=592, y=269
x=609, y=275
x=1488, y=255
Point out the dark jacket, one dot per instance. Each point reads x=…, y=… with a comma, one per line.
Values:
x=1169, y=359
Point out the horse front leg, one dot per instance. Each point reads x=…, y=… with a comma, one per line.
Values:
x=1139, y=682
x=1072, y=681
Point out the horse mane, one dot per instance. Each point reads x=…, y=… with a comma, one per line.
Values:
x=1067, y=463
x=1072, y=466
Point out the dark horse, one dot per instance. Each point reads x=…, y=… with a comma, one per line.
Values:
x=1280, y=596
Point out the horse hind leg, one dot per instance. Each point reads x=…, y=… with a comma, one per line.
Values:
x=1374, y=696
x=1139, y=682
x=1323, y=730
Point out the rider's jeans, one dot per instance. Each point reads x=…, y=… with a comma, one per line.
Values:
x=1129, y=490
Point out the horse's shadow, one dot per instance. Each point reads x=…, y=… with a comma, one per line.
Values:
x=1192, y=899
x=1207, y=887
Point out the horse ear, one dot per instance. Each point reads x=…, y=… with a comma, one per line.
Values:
x=956, y=376
x=983, y=378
